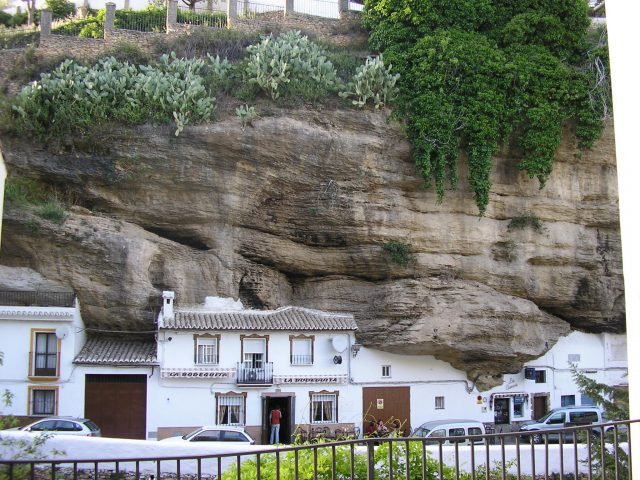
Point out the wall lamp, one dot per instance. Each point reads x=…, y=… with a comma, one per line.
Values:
x=355, y=348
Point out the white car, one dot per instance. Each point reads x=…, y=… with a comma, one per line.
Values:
x=215, y=434
x=63, y=426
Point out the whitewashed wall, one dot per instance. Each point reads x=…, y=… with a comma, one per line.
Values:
x=15, y=342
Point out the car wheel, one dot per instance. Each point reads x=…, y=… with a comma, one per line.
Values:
x=537, y=438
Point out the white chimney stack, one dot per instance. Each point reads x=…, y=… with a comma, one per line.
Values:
x=167, y=306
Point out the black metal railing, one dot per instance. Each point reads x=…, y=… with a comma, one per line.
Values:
x=598, y=451
x=248, y=374
x=33, y=298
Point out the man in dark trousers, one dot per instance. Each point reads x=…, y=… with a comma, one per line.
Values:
x=274, y=417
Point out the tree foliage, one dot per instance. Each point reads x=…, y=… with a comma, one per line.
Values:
x=61, y=8
x=475, y=74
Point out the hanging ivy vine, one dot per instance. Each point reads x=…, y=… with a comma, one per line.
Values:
x=475, y=74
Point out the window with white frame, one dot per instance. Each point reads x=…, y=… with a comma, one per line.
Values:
x=386, y=371
x=231, y=409
x=324, y=407
x=207, y=348
x=301, y=350
x=254, y=352
x=439, y=403
x=43, y=401
x=45, y=354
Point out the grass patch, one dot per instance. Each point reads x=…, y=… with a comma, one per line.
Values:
x=51, y=210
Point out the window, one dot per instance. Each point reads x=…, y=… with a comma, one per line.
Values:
x=573, y=357
x=231, y=408
x=583, y=418
x=324, y=407
x=254, y=351
x=556, y=419
x=45, y=354
x=567, y=400
x=386, y=371
x=439, y=403
x=206, y=349
x=587, y=400
x=518, y=406
x=301, y=349
x=541, y=376
x=43, y=401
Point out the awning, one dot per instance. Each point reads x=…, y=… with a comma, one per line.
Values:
x=509, y=395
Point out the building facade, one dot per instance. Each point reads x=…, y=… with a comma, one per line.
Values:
x=41, y=333
x=221, y=364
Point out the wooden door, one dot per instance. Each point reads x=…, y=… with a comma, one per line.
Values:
x=388, y=404
x=539, y=407
x=117, y=404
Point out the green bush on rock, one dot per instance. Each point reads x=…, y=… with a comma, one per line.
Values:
x=372, y=81
x=476, y=75
x=290, y=64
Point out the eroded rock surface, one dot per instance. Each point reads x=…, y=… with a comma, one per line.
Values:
x=297, y=209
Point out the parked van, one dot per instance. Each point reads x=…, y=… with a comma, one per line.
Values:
x=560, y=418
x=451, y=428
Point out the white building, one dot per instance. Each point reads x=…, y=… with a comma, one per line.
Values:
x=221, y=364
x=40, y=334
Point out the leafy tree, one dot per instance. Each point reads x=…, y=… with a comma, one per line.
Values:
x=61, y=8
x=478, y=74
x=615, y=403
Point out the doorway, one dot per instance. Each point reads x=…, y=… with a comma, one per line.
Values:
x=539, y=406
x=501, y=408
x=392, y=405
x=286, y=402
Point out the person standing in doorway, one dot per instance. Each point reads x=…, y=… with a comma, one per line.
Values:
x=274, y=417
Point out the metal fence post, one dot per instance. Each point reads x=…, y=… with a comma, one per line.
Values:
x=371, y=463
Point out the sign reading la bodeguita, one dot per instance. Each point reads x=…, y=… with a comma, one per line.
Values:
x=178, y=373
x=310, y=379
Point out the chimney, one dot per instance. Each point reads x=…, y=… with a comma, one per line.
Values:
x=167, y=306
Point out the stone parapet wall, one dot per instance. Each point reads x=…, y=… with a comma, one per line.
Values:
x=8, y=59
x=144, y=40
x=62, y=45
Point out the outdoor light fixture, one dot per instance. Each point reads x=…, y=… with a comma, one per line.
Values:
x=355, y=348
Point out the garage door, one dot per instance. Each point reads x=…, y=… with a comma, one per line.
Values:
x=117, y=404
x=387, y=404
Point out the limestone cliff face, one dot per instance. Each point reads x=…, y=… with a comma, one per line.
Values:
x=295, y=211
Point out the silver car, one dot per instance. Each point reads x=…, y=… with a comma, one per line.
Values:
x=64, y=426
x=560, y=418
x=216, y=434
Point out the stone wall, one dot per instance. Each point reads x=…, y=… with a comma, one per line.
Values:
x=62, y=45
x=8, y=59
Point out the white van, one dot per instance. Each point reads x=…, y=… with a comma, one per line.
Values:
x=451, y=428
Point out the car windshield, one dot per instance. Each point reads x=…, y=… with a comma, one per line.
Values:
x=544, y=418
x=421, y=432
x=91, y=426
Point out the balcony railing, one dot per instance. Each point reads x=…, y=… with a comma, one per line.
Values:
x=496, y=456
x=250, y=375
x=301, y=359
x=45, y=364
x=32, y=298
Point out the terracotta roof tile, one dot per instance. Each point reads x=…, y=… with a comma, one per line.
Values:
x=287, y=318
x=110, y=351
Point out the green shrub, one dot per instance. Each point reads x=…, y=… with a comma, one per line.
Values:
x=73, y=98
x=478, y=74
x=526, y=220
x=372, y=81
x=246, y=114
x=399, y=252
x=124, y=51
x=150, y=19
x=291, y=65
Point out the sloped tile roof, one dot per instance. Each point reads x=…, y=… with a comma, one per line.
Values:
x=116, y=351
x=287, y=318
